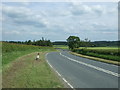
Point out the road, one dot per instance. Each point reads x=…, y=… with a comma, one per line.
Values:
x=80, y=72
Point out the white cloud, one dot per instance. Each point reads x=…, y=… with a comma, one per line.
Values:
x=97, y=9
x=1, y=19
x=57, y=22
x=25, y=3
x=79, y=9
x=23, y=16
x=11, y=32
x=110, y=33
x=36, y=33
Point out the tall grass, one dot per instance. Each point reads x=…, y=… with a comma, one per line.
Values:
x=29, y=73
x=26, y=72
x=12, y=51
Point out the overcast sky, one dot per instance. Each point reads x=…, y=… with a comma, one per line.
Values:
x=57, y=21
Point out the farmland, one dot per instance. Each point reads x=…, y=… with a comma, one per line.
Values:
x=21, y=70
x=61, y=46
x=110, y=53
x=107, y=48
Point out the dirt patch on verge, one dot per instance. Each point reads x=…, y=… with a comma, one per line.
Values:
x=26, y=72
x=19, y=64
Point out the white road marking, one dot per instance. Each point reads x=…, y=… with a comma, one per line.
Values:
x=91, y=66
x=59, y=74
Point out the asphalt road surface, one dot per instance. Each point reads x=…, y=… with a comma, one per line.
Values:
x=80, y=72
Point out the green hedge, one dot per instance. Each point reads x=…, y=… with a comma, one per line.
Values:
x=112, y=54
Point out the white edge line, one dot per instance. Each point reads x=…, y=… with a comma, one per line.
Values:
x=91, y=66
x=59, y=73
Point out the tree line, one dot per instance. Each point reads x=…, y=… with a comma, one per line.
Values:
x=41, y=42
x=87, y=43
x=75, y=42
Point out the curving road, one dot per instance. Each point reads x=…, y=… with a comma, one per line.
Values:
x=80, y=72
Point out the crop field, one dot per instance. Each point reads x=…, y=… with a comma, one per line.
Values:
x=111, y=53
x=100, y=48
x=61, y=46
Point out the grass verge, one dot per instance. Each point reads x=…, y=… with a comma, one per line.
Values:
x=26, y=72
x=97, y=59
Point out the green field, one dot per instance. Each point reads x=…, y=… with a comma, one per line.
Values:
x=21, y=70
x=99, y=48
x=61, y=46
x=110, y=53
x=11, y=52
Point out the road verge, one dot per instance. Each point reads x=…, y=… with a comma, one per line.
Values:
x=26, y=72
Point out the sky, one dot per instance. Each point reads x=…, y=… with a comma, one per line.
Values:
x=97, y=21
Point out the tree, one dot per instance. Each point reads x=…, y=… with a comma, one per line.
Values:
x=73, y=42
x=29, y=42
x=85, y=43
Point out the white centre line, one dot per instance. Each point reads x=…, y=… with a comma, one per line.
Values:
x=91, y=66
